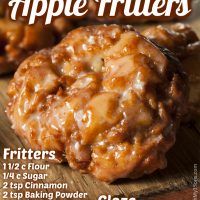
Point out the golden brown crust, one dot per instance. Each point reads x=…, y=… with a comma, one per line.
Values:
x=185, y=44
x=19, y=40
x=106, y=97
x=179, y=38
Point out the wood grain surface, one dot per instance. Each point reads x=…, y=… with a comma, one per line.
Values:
x=178, y=176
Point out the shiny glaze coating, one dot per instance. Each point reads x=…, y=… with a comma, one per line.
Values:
x=178, y=38
x=105, y=98
x=19, y=40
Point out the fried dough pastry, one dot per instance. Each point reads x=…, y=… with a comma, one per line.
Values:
x=18, y=40
x=185, y=44
x=105, y=98
x=179, y=38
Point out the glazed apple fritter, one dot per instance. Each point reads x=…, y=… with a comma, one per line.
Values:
x=19, y=40
x=106, y=98
x=185, y=44
x=179, y=38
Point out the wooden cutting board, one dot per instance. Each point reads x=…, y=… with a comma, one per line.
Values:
x=177, y=176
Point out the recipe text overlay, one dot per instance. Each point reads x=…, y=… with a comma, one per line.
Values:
x=48, y=10
x=25, y=175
